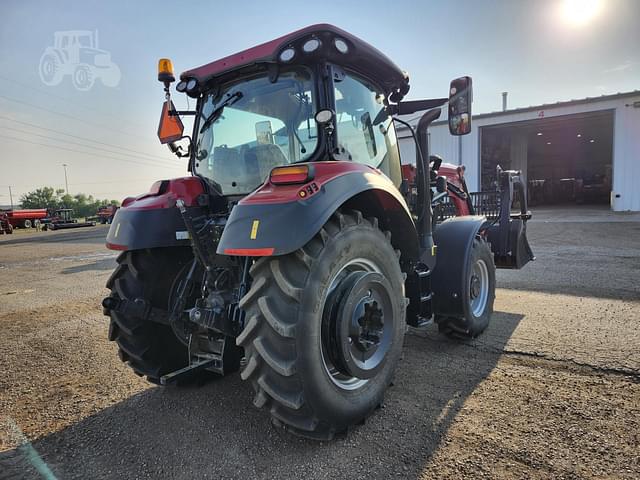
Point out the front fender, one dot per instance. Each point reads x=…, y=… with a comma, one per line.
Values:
x=278, y=219
x=454, y=240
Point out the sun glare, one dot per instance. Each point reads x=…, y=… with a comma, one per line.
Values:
x=579, y=13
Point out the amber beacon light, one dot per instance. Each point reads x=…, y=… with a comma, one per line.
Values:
x=165, y=71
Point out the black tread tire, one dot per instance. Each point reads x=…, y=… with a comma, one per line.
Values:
x=470, y=326
x=151, y=349
x=282, y=335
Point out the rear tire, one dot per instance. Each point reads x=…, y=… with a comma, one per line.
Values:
x=151, y=349
x=480, y=292
x=50, y=69
x=27, y=224
x=288, y=357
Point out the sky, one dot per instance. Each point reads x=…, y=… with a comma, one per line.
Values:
x=539, y=51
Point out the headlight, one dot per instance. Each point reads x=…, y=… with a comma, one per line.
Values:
x=181, y=86
x=191, y=84
x=341, y=45
x=287, y=55
x=311, y=45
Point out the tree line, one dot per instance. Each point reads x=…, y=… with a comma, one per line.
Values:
x=47, y=197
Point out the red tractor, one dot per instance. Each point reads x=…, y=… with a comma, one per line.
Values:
x=5, y=224
x=295, y=250
x=106, y=213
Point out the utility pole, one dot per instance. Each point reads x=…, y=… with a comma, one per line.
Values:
x=10, y=197
x=66, y=184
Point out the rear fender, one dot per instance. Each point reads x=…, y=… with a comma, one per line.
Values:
x=152, y=220
x=279, y=219
x=454, y=239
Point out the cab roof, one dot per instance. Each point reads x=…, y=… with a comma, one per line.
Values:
x=361, y=57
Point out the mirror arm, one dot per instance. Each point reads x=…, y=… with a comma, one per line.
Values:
x=413, y=106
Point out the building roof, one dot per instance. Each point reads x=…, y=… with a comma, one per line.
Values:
x=544, y=106
x=559, y=104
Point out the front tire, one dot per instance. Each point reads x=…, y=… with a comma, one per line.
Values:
x=83, y=77
x=308, y=327
x=479, y=290
x=150, y=349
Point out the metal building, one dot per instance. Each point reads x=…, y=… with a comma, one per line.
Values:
x=578, y=151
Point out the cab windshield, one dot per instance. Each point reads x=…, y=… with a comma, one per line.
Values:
x=252, y=125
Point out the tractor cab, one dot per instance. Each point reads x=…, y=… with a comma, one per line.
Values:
x=314, y=95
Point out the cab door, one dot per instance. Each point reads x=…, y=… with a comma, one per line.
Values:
x=364, y=130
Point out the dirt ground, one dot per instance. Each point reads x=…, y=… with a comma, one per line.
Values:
x=550, y=390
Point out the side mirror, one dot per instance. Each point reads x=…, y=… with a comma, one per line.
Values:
x=460, y=98
x=181, y=148
x=170, y=128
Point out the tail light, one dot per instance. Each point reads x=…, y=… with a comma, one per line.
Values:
x=291, y=175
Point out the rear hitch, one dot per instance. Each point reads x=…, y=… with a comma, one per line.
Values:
x=188, y=371
x=226, y=320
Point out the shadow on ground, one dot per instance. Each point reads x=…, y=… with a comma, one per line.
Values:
x=98, y=265
x=213, y=431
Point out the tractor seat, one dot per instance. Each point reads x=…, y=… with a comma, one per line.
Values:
x=261, y=159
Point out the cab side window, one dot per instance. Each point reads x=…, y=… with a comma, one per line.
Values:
x=364, y=130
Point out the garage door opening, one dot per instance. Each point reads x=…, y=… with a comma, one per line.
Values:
x=567, y=160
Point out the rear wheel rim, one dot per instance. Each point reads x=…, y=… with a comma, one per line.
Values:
x=332, y=365
x=479, y=288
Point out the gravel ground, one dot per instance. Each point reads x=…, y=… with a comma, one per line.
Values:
x=551, y=390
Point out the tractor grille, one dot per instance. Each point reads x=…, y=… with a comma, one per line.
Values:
x=484, y=203
x=445, y=209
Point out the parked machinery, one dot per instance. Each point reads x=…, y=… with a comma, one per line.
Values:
x=26, y=218
x=62, y=218
x=105, y=214
x=5, y=225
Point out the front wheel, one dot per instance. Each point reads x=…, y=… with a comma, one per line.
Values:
x=325, y=327
x=83, y=77
x=479, y=290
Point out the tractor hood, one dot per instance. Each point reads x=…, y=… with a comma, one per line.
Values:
x=332, y=44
